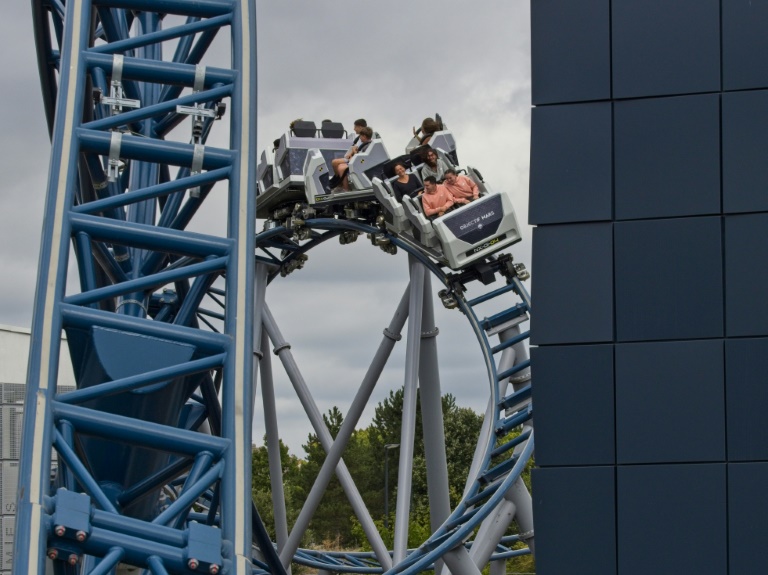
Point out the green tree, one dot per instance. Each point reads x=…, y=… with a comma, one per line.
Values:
x=334, y=524
x=330, y=524
x=462, y=427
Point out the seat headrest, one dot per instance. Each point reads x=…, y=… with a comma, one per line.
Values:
x=389, y=166
x=417, y=155
x=332, y=130
x=304, y=129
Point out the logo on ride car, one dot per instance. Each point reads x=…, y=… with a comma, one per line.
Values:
x=476, y=221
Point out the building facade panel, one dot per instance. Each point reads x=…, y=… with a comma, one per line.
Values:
x=745, y=44
x=571, y=163
x=745, y=147
x=670, y=402
x=667, y=157
x=574, y=281
x=576, y=67
x=662, y=48
x=669, y=279
x=672, y=519
x=686, y=263
x=575, y=513
x=574, y=402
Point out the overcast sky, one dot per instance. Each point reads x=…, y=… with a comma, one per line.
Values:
x=393, y=63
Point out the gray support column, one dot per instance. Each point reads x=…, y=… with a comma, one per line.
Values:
x=259, y=297
x=491, y=531
x=391, y=335
x=408, y=430
x=262, y=365
x=519, y=495
x=434, y=432
x=273, y=444
x=499, y=567
x=432, y=415
x=282, y=349
x=458, y=561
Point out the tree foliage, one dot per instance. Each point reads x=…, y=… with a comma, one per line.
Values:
x=333, y=524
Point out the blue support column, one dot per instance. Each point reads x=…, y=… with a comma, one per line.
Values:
x=31, y=531
x=132, y=424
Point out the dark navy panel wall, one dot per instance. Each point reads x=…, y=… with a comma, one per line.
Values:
x=670, y=402
x=667, y=157
x=649, y=193
x=672, y=519
x=661, y=47
x=746, y=274
x=747, y=510
x=576, y=66
x=747, y=398
x=745, y=44
x=571, y=163
x=574, y=413
x=575, y=510
x=745, y=139
x=668, y=279
x=578, y=282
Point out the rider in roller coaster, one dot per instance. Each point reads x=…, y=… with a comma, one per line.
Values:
x=341, y=165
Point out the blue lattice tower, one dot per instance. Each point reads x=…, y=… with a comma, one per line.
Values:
x=132, y=108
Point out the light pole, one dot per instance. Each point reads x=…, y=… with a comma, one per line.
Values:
x=387, y=447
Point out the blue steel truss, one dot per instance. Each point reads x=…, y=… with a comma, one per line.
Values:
x=133, y=106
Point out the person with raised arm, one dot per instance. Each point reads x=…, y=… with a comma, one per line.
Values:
x=428, y=127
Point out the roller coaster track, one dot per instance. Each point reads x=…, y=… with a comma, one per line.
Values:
x=494, y=489
x=154, y=445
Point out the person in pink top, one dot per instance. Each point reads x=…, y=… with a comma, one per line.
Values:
x=463, y=189
x=436, y=200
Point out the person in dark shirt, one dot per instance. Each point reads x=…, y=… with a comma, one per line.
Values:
x=405, y=184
